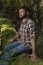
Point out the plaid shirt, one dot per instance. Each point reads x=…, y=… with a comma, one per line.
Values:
x=27, y=31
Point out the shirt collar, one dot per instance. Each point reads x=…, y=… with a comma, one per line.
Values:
x=25, y=21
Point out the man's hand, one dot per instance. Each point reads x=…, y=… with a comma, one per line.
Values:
x=33, y=57
x=12, y=39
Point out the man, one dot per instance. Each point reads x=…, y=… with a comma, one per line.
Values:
x=26, y=34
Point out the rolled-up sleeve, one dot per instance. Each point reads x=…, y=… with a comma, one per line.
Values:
x=32, y=30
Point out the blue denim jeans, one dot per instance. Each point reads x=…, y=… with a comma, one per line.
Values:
x=14, y=49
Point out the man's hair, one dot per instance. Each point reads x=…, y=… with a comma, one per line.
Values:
x=25, y=8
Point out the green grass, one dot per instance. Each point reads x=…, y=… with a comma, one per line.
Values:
x=25, y=60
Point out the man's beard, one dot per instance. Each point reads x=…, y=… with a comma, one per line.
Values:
x=25, y=16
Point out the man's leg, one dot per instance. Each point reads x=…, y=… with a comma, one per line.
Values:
x=16, y=51
x=11, y=46
x=20, y=49
x=7, y=49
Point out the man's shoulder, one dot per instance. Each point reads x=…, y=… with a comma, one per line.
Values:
x=30, y=21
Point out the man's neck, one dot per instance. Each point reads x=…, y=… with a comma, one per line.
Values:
x=24, y=20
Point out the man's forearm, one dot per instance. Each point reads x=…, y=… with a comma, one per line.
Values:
x=14, y=38
x=33, y=56
x=33, y=45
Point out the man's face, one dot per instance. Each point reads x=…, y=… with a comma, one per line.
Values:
x=22, y=13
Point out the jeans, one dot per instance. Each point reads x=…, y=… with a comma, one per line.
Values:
x=14, y=49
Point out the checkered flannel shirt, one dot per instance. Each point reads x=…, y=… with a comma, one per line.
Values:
x=27, y=31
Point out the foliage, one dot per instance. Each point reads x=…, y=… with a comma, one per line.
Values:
x=40, y=47
x=10, y=10
x=7, y=30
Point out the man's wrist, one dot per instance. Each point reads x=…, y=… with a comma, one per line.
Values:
x=33, y=51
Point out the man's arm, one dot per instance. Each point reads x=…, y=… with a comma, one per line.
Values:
x=32, y=34
x=14, y=38
x=33, y=43
x=33, y=40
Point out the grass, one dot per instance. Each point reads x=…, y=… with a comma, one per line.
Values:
x=25, y=60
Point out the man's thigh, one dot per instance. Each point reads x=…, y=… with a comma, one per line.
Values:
x=13, y=52
x=11, y=46
x=20, y=49
x=28, y=50
x=16, y=51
